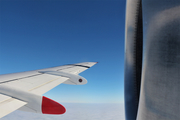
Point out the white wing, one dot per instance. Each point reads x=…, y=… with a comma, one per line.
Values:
x=9, y=104
x=35, y=82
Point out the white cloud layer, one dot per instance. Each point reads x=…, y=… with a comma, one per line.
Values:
x=76, y=111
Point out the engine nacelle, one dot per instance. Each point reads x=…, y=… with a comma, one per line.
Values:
x=73, y=78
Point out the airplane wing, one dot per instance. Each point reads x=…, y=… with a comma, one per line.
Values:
x=9, y=104
x=26, y=88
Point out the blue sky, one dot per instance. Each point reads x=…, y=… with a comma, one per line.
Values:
x=37, y=34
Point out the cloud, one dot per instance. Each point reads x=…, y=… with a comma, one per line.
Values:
x=76, y=111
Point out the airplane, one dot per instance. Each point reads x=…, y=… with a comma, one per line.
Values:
x=24, y=91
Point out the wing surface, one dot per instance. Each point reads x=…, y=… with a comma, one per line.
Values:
x=35, y=82
x=39, y=83
x=9, y=104
x=73, y=68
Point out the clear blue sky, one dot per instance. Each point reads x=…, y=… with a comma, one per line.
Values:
x=37, y=34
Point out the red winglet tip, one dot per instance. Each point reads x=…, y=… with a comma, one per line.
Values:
x=52, y=107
